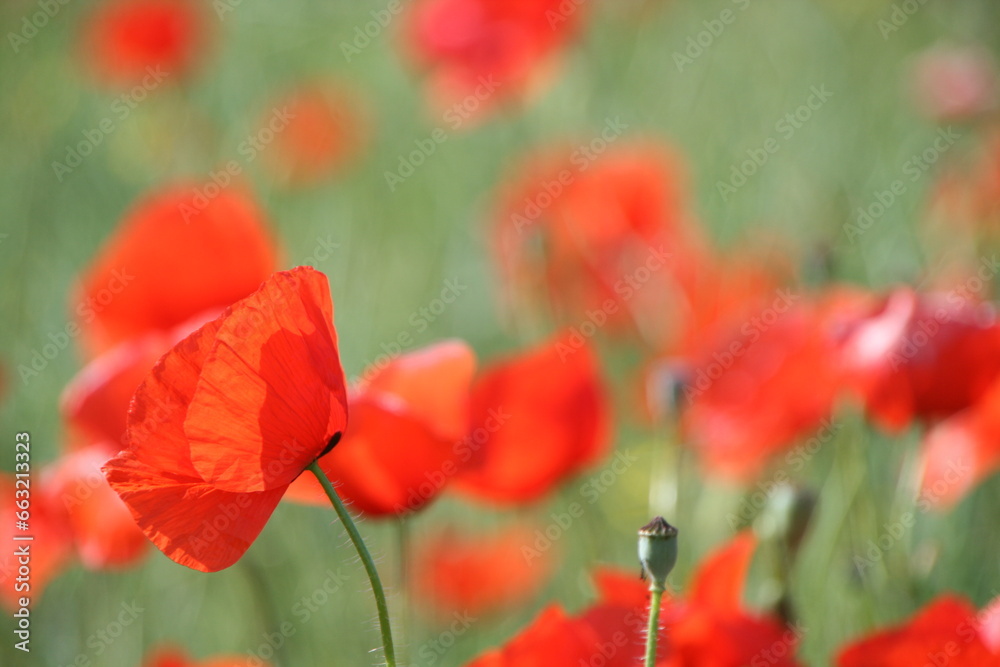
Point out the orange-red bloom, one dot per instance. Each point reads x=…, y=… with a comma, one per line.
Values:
x=604, y=239
x=947, y=631
x=104, y=533
x=481, y=51
x=922, y=356
x=323, y=133
x=537, y=418
x=403, y=444
x=176, y=255
x=230, y=417
x=478, y=573
x=127, y=40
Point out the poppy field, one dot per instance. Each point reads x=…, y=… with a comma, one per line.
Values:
x=500, y=333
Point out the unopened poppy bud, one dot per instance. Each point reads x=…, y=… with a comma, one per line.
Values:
x=657, y=551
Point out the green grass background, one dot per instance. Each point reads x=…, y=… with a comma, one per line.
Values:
x=396, y=249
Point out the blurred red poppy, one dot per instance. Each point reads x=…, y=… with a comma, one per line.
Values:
x=921, y=356
x=229, y=417
x=479, y=52
x=711, y=627
x=104, y=532
x=95, y=402
x=961, y=451
x=947, y=631
x=325, y=131
x=178, y=253
x=480, y=573
x=604, y=238
x=767, y=382
x=539, y=417
x=955, y=83
x=50, y=548
x=127, y=40
x=169, y=656
x=404, y=441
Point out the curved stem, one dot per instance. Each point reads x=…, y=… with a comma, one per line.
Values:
x=366, y=558
x=654, y=624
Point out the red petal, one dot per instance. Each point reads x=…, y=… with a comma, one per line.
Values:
x=271, y=393
x=537, y=418
x=170, y=261
x=718, y=582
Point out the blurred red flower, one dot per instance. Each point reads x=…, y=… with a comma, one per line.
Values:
x=229, y=417
x=961, y=451
x=325, y=131
x=604, y=237
x=402, y=446
x=50, y=548
x=539, y=417
x=178, y=253
x=947, y=631
x=104, y=533
x=480, y=573
x=710, y=628
x=921, y=356
x=127, y=40
x=754, y=391
x=169, y=656
x=479, y=52
x=955, y=83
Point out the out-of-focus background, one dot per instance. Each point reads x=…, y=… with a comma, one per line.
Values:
x=713, y=81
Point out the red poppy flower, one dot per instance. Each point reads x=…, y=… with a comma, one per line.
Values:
x=324, y=131
x=175, y=657
x=95, y=402
x=177, y=254
x=922, y=356
x=481, y=51
x=126, y=40
x=955, y=83
x=540, y=417
x=711, y=627
x=604, y=240
x=229, y=417
x=947, y=631
x=754, y=392
x=404, y=442
x=478, y=574
x=50, y=548
x=104, y=533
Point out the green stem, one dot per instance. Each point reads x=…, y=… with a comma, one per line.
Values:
x=654, y=624
x=366, y=558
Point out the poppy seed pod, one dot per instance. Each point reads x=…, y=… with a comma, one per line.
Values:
x=657, y=551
